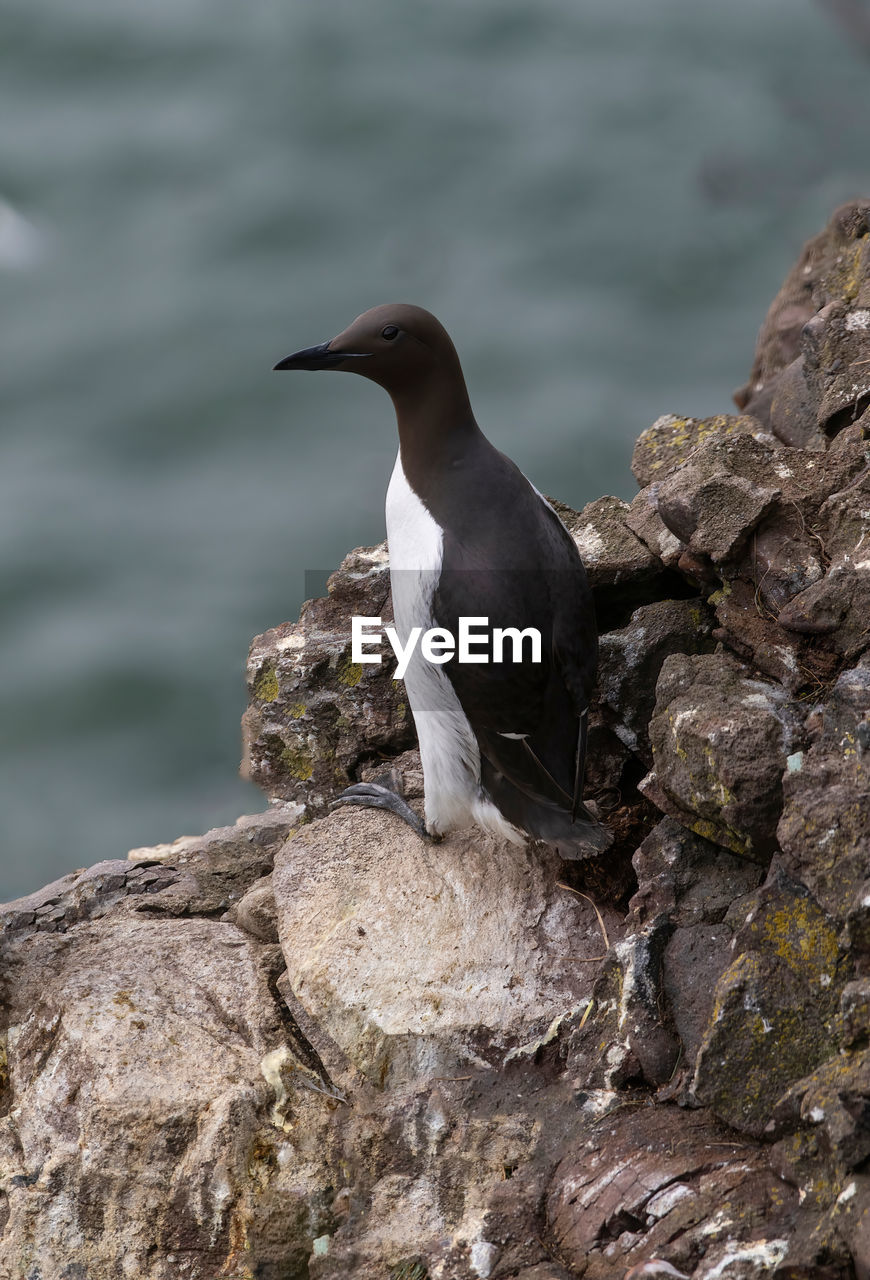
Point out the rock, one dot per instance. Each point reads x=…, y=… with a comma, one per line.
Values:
x=313, y=715
x=625, y=1037
x=757, y=638
x=774, y=1008
x=835, y=1101
x=720, y=741
x=664, y=1182
x=855, y=1012
x=612, y=554
x=215, y=870
x=143, y=1132
x=687, y=878
x=838, y=604
x=643, y=519
x=631, y=657
x=654, y=996
x=694, y=960
x=780, y=557
x=714, y=501
x=256, y=913
x=807, y=382
x=692, y=883
x=654, y=1269
x=624, y=568
x=793, y=409
x=419, y=960
x=668, y=443
x=824, y=831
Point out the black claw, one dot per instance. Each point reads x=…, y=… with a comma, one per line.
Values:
x=372, y=795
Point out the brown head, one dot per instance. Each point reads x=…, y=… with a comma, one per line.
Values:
x=406, y=351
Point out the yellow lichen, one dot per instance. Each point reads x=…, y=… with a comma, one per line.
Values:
x=669, y=441
x=266, y=684
x=350, y=673
x=851, y=273
x=723, y=835
x=298, y=763
x=800, y=935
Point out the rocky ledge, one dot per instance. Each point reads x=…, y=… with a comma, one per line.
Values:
x=309, y=1046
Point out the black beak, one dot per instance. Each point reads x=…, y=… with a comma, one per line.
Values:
x=319, y=357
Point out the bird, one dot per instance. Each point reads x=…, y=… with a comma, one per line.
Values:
x=502, y=744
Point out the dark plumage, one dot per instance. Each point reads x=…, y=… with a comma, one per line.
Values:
x=501, y=744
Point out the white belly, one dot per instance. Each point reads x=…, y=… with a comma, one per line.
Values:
x=448, y=747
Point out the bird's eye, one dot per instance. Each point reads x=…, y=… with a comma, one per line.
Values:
x=389, y=332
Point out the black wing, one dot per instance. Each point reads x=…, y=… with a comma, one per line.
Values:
x=518, y=567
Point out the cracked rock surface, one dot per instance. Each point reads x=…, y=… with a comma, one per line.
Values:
x=309, y=1047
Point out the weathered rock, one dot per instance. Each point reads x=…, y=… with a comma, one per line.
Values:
x=691, y=883
x=714, y=501
x=793, y=408
x=670, y=440
x=687, y=878
x=720, y=741
x=256, y=913
x=193, y=875
x=144, y=1127
x=834, y=1101
x=839, y=604
x=419, y=960
x=612, y=554
x=807, y=381
x=855, y=1012
x=631, y=657
x=163, y=1101
x=778, y=534
x=694, y=960
x=653, y=996
x=625, y=569
x=824, y=831
x=314, y=715
x=643, y=519
x=624, y=1039
x=250, y=841
x=775, y=1007
x=658, y=1181
x=754, y=635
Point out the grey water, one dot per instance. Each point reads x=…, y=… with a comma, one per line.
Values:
x=599, y=199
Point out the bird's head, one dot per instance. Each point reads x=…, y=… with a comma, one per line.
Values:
x=396, y=345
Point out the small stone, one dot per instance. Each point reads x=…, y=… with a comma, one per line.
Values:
x=720, y=741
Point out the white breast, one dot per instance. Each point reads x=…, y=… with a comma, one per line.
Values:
x=448, y=748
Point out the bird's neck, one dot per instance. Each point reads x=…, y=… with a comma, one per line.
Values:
x=437, y=429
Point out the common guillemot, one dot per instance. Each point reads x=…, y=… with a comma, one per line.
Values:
x=502, y=745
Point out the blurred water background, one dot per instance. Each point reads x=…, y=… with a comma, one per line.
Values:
x=599, y=200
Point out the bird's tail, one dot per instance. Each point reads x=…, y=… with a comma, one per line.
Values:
x=543, y=819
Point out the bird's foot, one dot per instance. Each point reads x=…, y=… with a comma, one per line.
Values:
x=373, y=795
